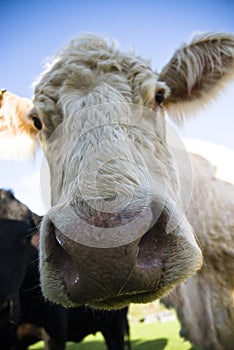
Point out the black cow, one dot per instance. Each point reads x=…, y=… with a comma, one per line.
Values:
x=16, y=253
x=25, y=317
x=12, y=209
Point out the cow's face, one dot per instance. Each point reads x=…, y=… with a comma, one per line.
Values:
x=115, y=233
x=114, y=194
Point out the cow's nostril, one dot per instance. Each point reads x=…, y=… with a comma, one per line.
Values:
x=59, y=255
x=151, y=246
x=52, y=245
x=147, y=256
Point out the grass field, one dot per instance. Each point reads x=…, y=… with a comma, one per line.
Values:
x=147, y=332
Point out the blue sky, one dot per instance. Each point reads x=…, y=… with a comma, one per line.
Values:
x=31, y=31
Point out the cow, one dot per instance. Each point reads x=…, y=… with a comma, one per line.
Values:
x=204, y=303
x=117, y=230
x=16, y=225
x=12, y=209
x=16, y=252
x=25, y=317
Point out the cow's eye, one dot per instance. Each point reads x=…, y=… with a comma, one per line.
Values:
x=37, y=123
x=159, y=97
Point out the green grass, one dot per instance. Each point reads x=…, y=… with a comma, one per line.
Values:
x=158, y=336
x=152, y=336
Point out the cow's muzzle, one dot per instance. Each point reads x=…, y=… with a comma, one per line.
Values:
x=113, y=276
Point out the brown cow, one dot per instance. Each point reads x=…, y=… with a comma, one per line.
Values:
x=15, y=138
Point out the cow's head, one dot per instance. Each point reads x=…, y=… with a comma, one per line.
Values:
x=11, y=208
x=115, y=233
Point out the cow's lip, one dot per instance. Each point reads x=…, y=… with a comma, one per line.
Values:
x=118, y=302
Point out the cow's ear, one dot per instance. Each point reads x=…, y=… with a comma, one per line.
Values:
x=17, y=130
x=198, y=71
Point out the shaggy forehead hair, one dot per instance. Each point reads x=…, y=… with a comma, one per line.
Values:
x=91, y=72
x=84, y=64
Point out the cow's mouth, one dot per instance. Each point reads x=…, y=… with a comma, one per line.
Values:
x=139, y=272
x=122, y=301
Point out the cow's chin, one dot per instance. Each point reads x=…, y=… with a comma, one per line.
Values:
x=110, y=278
x=120, y=302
